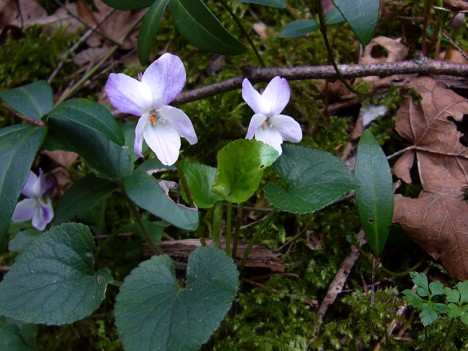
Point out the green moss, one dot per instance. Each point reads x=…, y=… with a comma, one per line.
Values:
x=25, y=60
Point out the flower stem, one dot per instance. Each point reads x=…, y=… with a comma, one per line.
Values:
x=184, y=184
x=217, y=216
x=236, y=231
x=244, y=31
x=228, y=228
x=266, y=222
x=143, y=228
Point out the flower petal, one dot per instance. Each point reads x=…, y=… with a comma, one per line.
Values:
x=43, y=215
x=253, y=98
x=24, y=210
x=138, y=145
x=164, y=140
x=32, y=186
x=270, y=136
x=166, y=78
x=289, y=129
x=277, y=93
x=255, y=123
x=180, y=122
x=128, y=95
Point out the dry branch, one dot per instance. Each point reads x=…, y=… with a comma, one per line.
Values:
x=255, y=74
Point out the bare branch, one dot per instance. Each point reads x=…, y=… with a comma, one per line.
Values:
x=256, y=74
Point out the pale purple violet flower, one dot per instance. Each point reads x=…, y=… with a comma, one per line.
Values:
x=267, y=124
x=160, y=125
x=37, y=206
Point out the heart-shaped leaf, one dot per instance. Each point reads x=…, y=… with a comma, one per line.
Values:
x=153, y=313
x=17, y=336
x=299, y=28
x=240, y=168
x=53, y=280
x=374, y=196
x=272, y=3
x=83, y=194
x=149, y=29
x=18, y=142
x=199, y=26
x=145, y=191
x=361, y=15
x=200, y=180
x=313, y=179
x=32, y=100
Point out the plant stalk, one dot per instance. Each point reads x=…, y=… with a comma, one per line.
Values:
x=143, y=228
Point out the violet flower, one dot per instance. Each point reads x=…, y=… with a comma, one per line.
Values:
x=37, y=206
x=267, y=124
x=160, y=125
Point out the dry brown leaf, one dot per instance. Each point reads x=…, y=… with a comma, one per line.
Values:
x=439, y=224
x=114, y=26
x=438, y=219
x=403, y=165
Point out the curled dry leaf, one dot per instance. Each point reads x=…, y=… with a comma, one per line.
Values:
x=438, y=219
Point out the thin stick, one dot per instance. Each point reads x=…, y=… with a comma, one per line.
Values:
x=256, y=74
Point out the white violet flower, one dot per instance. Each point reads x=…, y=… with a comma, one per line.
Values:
x=268, y=124
x=37, y=206
x=160, y=125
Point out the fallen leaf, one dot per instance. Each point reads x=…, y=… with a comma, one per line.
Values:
x=438, y=219
x=439, y=224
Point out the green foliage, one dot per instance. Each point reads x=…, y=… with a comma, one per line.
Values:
x=374, y=196
x=153, y=313
x=313, y=179
x=427, y=299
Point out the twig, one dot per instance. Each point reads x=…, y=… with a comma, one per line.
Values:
x=457, y=4
x=459, y=49
x=256, y=74
x=339, y=281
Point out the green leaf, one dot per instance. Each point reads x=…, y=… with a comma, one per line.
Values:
x=272, y=3
x=17, y=143
x=53, y=280
x=129, y=4
x=463, y=289
x=361, y=15
x=436, y=288
x=299, y=28
x=22, y=239
x=146, y=192
x=85, y=193
x=200, y=180
x=17, y=336
x=334, y=16
x=312, y=180
x=153, y=313
x=374, y=196
x=464, y=317
x=420, y=279
x=427, y=315
x=155, y=229
x=102, y=154
x=412, y=298
x=32, y=100
x=452, y=295
x=149, y=29
x=199, y=26
x=240, y=168
x=454, y=311
x=91, y=117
